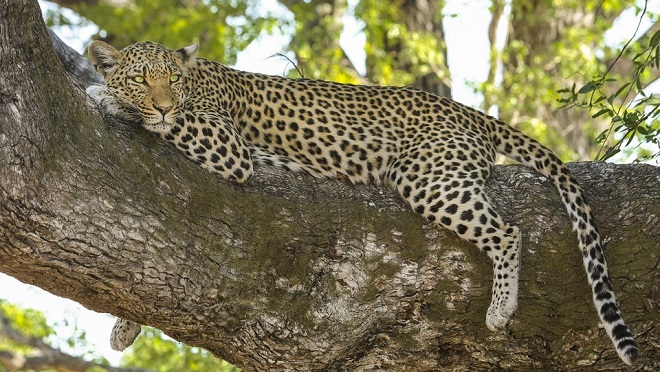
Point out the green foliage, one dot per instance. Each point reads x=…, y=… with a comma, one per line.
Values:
x=33, y=324
x=397, y=55
x=221, y=27
x=538, y=64
x=70, y=334
x=315, y=40
x=550, y=42
x=154, y=351
x=633, y=114
x=29, y=322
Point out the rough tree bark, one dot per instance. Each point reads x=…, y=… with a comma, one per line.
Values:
x=289, y=272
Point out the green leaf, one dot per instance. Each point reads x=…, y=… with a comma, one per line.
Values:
x=623, y=87
x=602, y=136
x=642, y=130
x=602, y=111
x=655, y=40
x=610, y=152
x=589, y=87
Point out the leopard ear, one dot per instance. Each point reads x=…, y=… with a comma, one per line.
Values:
x=186, y=56
x=104, y=57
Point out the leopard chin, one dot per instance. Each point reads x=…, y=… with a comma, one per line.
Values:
x=161, y=127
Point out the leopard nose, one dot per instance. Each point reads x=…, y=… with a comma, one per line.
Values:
x=163, y=109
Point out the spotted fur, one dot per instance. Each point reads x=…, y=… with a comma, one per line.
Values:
x=435, y=152
x=124, y=332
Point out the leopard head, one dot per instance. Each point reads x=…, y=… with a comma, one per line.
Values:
x=146, y=77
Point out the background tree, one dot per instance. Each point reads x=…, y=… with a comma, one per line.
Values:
x=405, y=44
x=550, y=46
x=315, y=43
x=156, y=352
x=633, y=113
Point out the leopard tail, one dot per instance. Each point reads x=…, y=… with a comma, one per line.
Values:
x=516, y=145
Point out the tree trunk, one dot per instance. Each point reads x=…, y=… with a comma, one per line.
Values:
x=406, y=44
x=316, y=40
x=289, y=272
x=422, y=17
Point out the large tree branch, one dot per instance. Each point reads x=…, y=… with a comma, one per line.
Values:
x=291, y=272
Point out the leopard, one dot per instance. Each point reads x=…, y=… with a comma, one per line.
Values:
x=436, y=153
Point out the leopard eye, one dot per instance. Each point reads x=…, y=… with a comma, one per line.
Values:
x=138, y=79
x=174, y=78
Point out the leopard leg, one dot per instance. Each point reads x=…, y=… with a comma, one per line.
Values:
x=109, y=104
x=211, y=140
x=467, y=211
x=506, y=269
x=124, y=333
x=477, y=221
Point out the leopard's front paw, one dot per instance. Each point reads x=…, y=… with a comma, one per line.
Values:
x=104, y=99
x=97, y=92
x=109, y=104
